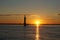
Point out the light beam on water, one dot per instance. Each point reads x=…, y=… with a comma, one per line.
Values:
x=37, y=32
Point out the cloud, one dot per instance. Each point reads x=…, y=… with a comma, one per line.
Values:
x=10, y=14
x=4, y=15
x=59, y=14
x=34, y=16
x=13, y=14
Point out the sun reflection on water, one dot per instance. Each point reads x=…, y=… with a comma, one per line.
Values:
x=37, y=32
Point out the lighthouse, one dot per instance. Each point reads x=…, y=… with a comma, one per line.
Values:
x=24, y=20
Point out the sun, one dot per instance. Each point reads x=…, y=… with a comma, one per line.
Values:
x=37, y=22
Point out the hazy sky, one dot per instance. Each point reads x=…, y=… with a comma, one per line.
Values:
x=46, y=10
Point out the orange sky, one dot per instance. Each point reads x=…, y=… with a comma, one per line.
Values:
x=30, y=19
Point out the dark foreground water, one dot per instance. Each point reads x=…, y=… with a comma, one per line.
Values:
x=17, y=32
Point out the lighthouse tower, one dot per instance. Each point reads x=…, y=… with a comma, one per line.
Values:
x=24, y=20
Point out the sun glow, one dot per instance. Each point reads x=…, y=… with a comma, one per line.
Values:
x=37, y=23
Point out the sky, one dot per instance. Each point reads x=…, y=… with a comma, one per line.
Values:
x=44, y=10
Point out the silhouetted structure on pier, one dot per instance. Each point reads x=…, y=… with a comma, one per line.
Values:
x=24, y=20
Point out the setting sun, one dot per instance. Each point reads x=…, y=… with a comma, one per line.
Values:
x=37, y=22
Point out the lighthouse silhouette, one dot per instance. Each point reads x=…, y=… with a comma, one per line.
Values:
x=24, y=20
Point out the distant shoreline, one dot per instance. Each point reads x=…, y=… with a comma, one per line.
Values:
x=23, y=24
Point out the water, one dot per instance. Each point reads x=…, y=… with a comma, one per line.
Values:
x=31, y=32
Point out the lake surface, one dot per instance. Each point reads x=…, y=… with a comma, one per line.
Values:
x=30, y=32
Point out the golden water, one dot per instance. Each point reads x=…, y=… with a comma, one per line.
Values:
x=37, y=32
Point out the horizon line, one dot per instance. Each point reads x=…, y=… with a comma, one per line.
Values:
x=23, y=24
